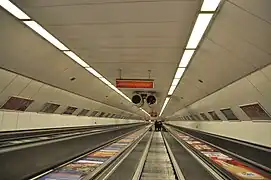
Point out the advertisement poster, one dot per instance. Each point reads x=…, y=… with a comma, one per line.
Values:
x=77, y=168
x=110, y=150
x=118, y=148
x=120, y=144
x=203, y=147
x=94, y=160
x=193, y=142
x=61, y=176
x=103, y=154
x=237, y=168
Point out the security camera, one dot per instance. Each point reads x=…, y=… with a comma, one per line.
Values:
x=151, y=99
x=138, y=100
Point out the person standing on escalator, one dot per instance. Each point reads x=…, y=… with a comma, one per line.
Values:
x=156, y=125
x=159, y=125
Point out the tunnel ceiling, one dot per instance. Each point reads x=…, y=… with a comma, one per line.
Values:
x=137, y=36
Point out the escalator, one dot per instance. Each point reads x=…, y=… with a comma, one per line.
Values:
x=158, y=164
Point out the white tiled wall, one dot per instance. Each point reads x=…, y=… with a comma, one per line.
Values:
x=253, y=88
x=31, y=120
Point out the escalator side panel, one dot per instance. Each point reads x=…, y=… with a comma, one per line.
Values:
x=24, y=163
x=189, y=166
x=248, y=152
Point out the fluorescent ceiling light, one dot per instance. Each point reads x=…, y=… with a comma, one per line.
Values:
x=14, y=10
x=164, y=105
x=145, y=111
x=171, y=90
x=127, y=98
x=105, y=81
x=201, y=24
x=187, y=55
x=179, y=73
x=94, y=72
x=210, y=5
x=76, y=58
x=114, y=88
x=175, y=82
x=46, y=35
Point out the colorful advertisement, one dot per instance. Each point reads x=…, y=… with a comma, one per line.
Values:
x=80, y=168
x=235, y=167
x=61, y=176
x=103, y=154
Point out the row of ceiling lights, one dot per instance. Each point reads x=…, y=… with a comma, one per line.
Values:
x=15, y=11
x=207, y=11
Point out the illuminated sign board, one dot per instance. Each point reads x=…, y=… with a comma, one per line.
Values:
x=134, y=83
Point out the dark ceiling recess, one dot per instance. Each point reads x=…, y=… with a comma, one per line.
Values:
x=201, y=81
x=181, y=97
x=73, y=78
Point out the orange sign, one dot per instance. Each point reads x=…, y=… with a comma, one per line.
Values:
x=122, y=83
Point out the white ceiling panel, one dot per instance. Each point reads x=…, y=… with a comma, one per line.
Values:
x=136, y=11
x=248, y=27
x=259, y=8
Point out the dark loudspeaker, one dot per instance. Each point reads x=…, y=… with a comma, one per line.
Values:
x=151, y=99
x=136, y=99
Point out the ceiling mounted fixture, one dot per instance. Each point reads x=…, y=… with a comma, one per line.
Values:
x=46, y=35
x=164, y=105
x=94, y=72
x=179, y=73
x=204, y=18
x=210, y=5
x=23, y=17
x=105, y=81
x=187, y=55
x=171, y=90
x=14, y=10
x=175, y=82
x=77, y=59
x=200, y=26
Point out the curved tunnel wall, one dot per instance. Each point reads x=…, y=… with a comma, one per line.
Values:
x=15, y=85
x=254, y=88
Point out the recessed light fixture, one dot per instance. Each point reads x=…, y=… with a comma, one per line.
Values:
x=105, y=81
x=77, y=59
x=200, y=26
x=187, y=55
x=94, y=72
x=46, y=35
x=175, y=82
x=14, y=10
x=210, y=5
x=171, y=90
x=164, y=105
x=179, y=73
